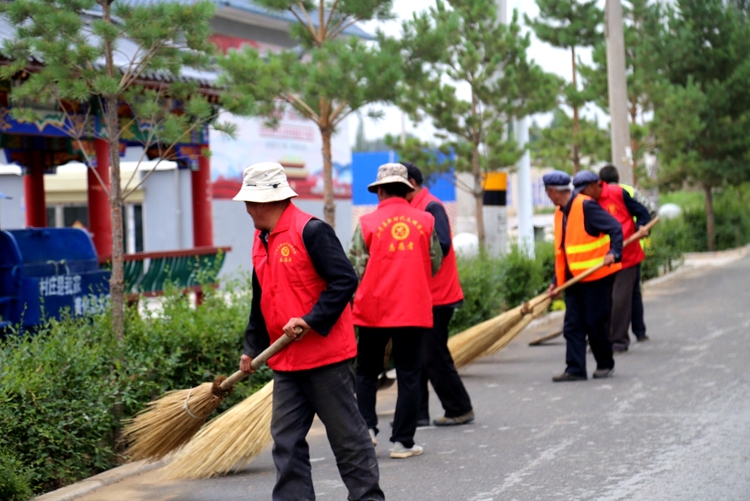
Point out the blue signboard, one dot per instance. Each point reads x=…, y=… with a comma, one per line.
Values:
x=365, y=171
x=46, y=272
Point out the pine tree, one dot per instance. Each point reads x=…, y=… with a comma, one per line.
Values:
x=330, y=77
x=98, y=58
x=551, y=146
x=467, y=46
x=570, y=24
x=702, y=118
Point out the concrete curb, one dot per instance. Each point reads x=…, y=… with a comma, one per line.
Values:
x=108, y=477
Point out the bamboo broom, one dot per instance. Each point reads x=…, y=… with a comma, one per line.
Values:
x=169, y=422
x=229, y=441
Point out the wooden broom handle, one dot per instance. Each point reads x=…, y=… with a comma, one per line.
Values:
x=633, y=238
x=261, y=359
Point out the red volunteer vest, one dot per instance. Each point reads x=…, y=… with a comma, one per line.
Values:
x=395, y=289
x=291, y=287
x=446, y=288
x=613, y=202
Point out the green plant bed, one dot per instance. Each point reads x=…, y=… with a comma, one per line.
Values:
x=65, y=391
x=731, y=212
x=492, y=285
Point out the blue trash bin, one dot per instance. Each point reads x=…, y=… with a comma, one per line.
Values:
x=46, y=271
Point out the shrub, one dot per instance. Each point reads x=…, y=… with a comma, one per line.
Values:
x=493, y=284
x=730, y=211
x=56, y=394
x=521, y=278
x=65, y=390
x=665, y=248
x=480, y=281
x=15, y=479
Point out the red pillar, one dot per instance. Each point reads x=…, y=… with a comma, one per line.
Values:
x=203, y=224
x=33, y=190
x=100, y=219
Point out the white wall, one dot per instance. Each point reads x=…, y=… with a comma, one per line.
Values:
x=233, y=227
x=12, y=212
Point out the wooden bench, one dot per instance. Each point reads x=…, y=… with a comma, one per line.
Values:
x=147, y=273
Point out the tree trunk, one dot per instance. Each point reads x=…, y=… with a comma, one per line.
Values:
x=117, y=281
x=576, y=126
x=710, y=219
x=478, y=195
x=112, y=125
x=634, y=146
x=477, y=171
x=329, y=203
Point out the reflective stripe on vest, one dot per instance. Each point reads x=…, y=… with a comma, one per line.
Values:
x=582, y=251
x=290, y=288
x=395, y=288
x=446, y=288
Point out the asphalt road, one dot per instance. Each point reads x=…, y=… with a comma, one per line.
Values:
x=673, y=424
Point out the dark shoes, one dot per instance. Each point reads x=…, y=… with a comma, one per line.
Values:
x=565, y=377
x=642, y=338
x=454, y=421
x=619, y=350
x=604, y=373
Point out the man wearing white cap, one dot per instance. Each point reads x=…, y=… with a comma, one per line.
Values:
x=303, y=280
x=396, y=252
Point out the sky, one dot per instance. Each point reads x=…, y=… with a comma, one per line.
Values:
x=551, y=59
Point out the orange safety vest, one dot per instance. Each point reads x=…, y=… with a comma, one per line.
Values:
x=580, y=251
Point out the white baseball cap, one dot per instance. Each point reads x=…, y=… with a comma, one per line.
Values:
x=264, y=182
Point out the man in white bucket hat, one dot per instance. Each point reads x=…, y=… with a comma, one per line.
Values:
x=395, y=252
x=302, y=279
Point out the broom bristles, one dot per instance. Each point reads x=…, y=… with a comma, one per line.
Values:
x=475, y=342
x=168, y=423
x=229, y=441
x=467, y=346
x=518, y=328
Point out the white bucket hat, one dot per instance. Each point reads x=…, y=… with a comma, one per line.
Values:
x=389, y=174
x=264, y=182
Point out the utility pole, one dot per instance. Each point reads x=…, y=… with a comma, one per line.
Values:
x=618, y=91
x=523, y=182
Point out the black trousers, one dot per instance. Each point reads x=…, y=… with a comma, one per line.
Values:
x=439, y=369
x=588, y=306
x=328, y=392
x=407, y=356
x=638, y=323
x=622, y=307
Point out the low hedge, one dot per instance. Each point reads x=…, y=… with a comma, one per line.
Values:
x=492, y=284
x=65, y=390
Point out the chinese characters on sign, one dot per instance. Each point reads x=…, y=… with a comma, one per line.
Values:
x=61, y=285
x=70, y=286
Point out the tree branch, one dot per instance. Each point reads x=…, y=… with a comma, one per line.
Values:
x=301, y=106
x=330, y=18
x=308, y=22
